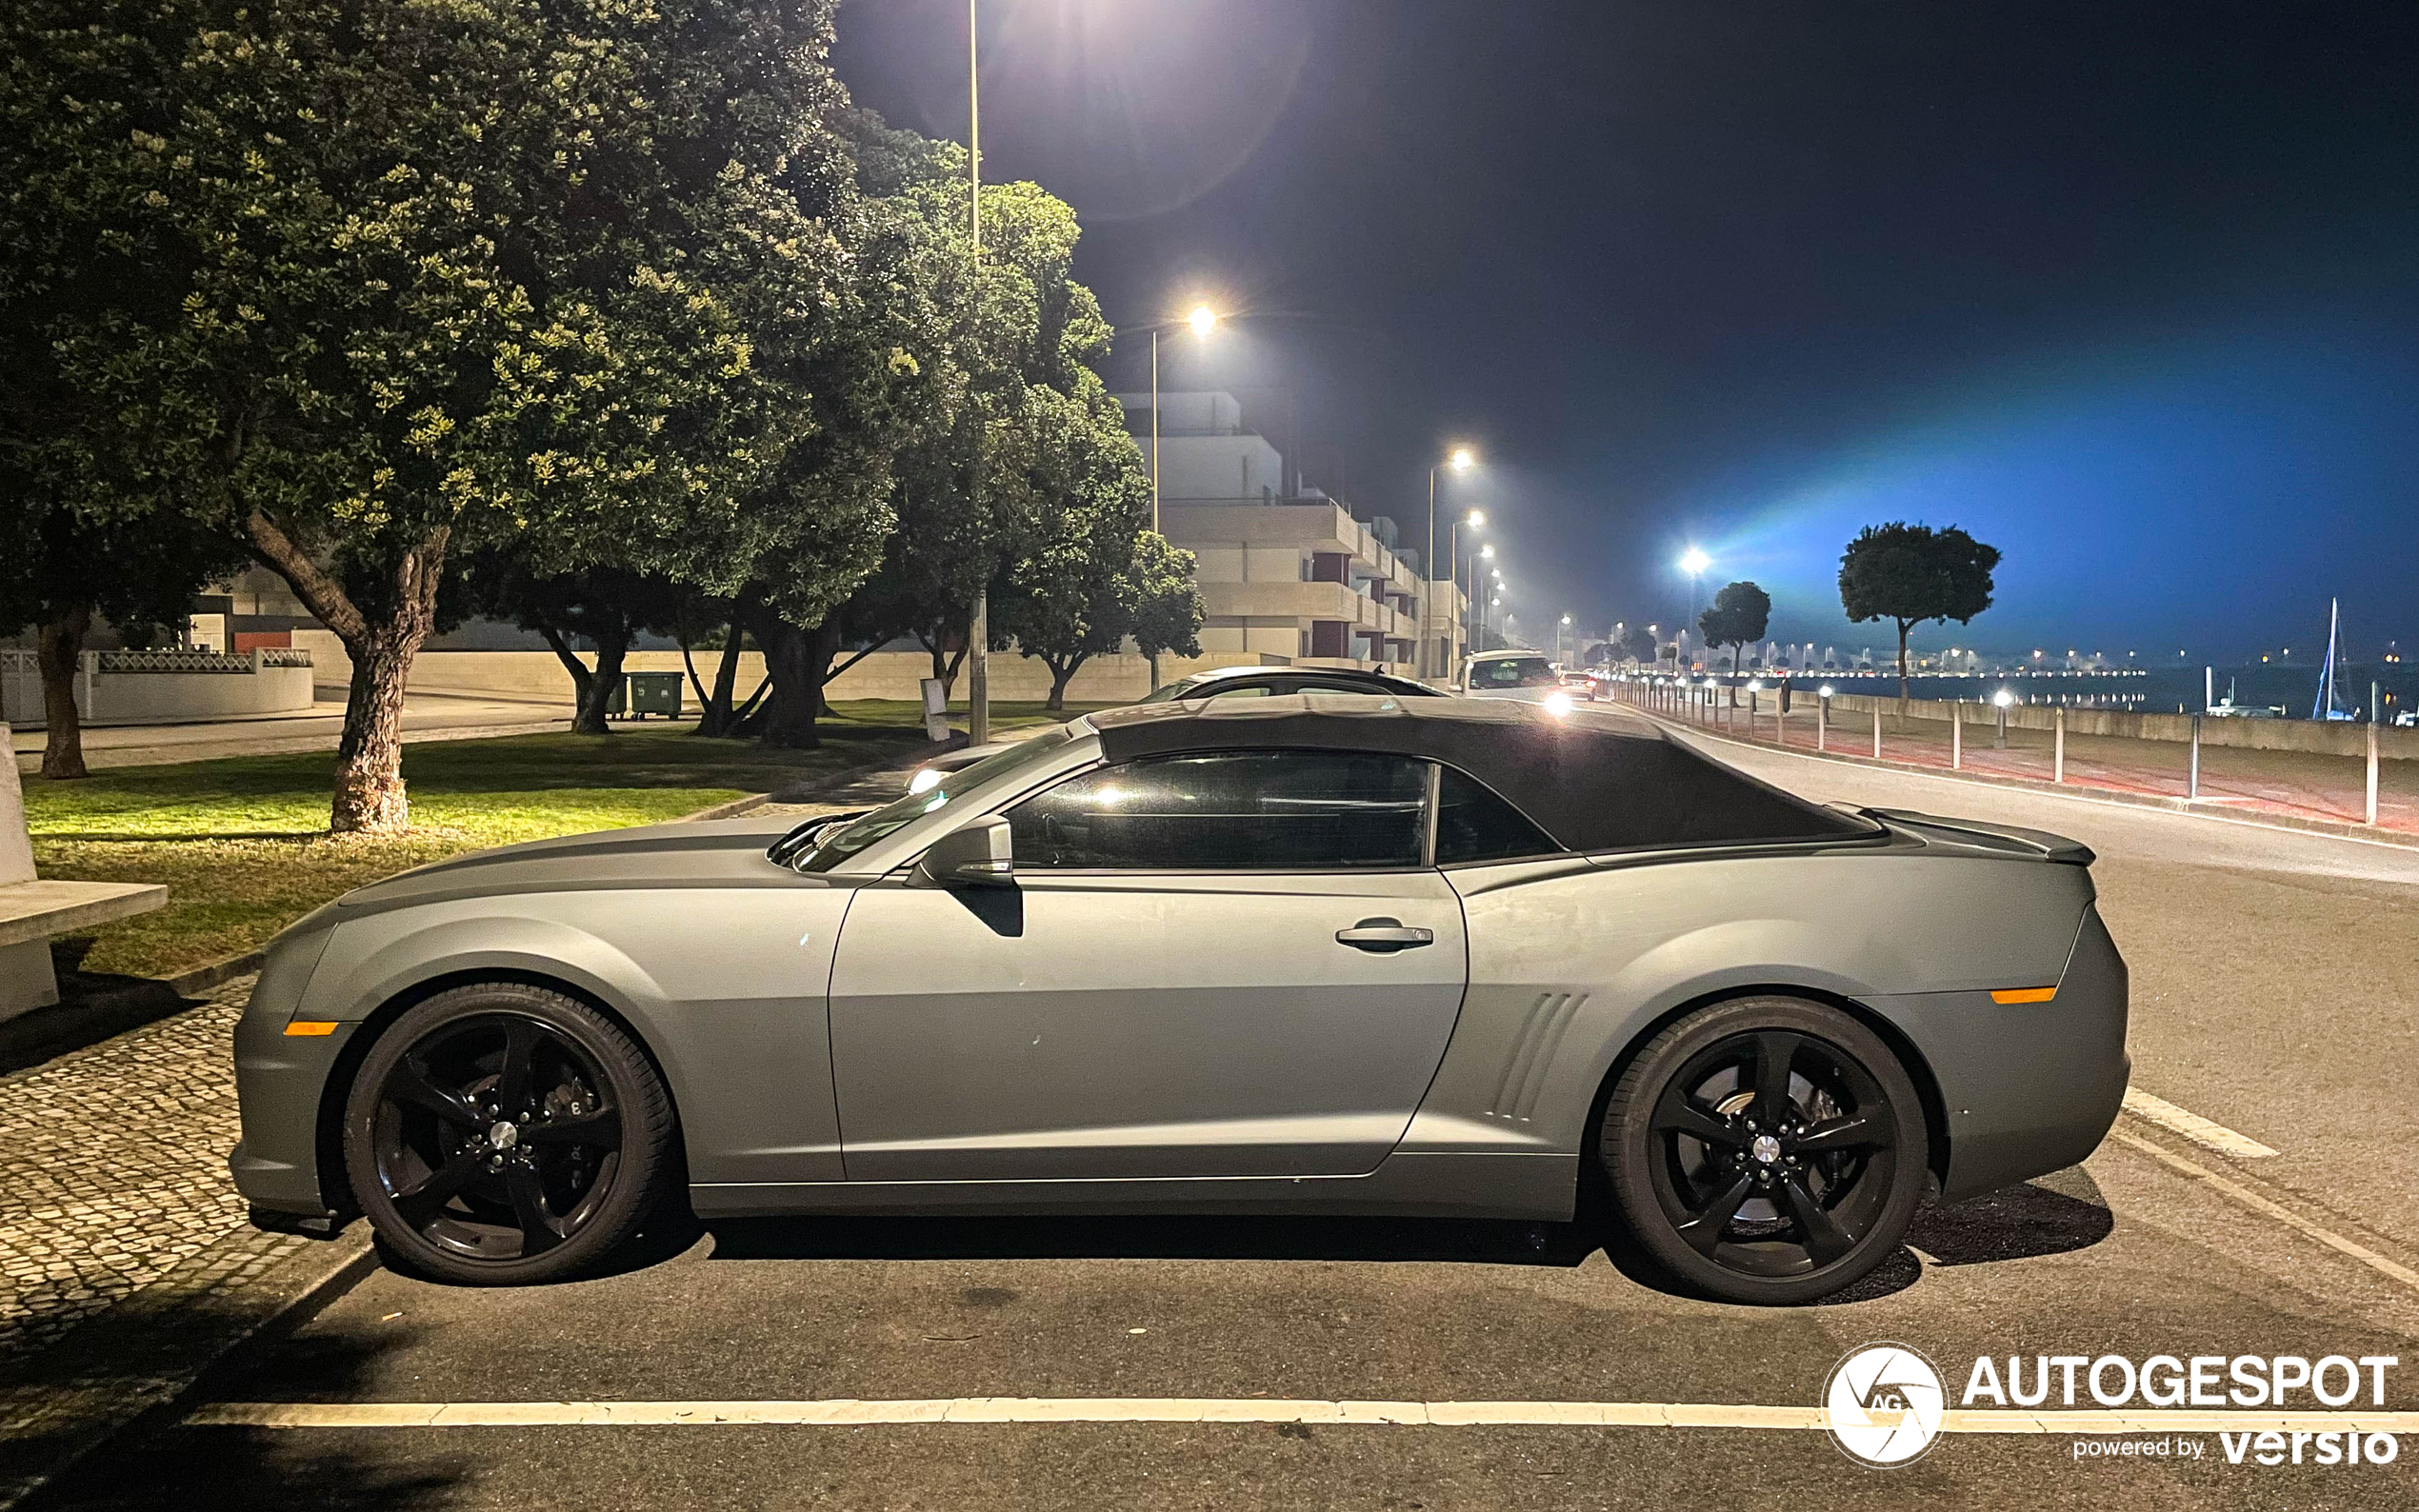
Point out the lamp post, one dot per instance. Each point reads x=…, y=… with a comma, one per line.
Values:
x=978, y=630
x=1460, y=462
x=1475, y=520
x=1693, y=563
x=1203, y=319
x=1559, y=636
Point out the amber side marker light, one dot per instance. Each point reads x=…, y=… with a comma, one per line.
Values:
x=1997, y=995
x=300, y=1027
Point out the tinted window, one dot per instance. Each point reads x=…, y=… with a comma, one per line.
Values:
x=1264, y=810
x=1513, y=671
x=1475, y=824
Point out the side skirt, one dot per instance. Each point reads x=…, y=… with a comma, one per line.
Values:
x=1534, y=1187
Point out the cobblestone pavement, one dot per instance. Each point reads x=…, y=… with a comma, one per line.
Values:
x=113, y=1170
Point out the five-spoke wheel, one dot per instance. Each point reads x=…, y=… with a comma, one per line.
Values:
x=1766, y=1150
x=503, y=1133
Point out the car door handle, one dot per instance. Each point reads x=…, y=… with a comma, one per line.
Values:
x=1384, y=935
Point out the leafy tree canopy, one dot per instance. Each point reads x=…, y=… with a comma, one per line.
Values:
x=1909, y=573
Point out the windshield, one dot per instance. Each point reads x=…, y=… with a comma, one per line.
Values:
x=1513, y=672
x=839, y=844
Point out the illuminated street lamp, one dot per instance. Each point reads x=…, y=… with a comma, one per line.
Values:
x=1693, y=563
x=1202, y=319
x=1461, y=459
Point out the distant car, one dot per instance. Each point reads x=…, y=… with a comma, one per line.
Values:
x=1321, y=954
x=1216, y=682
x=1276, y=682
x=1579, y=685
x=1525, y=677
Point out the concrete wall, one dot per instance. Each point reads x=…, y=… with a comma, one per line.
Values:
x=105, y=697
x=538, y=677
x=2338, y=738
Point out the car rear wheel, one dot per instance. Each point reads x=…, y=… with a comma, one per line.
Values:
x=1769, y=1150
x=503, y=1134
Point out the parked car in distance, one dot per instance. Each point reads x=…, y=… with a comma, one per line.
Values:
x=1319, y=953
x=1524, y=677
x=1216, y=682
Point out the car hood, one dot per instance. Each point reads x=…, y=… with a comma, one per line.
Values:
x=720, y=853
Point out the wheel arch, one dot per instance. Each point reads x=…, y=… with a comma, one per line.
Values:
x=1909, y=1055
x=327, y=1120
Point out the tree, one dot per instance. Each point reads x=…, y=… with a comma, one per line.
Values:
x=607, y=606
x=441, y=276
x=1076, y=586
x=58, y=572
x=1909, y=573
x=1737, y=616
x=1638, y=644
x=1168, y=608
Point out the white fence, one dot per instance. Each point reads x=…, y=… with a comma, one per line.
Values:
x=163, y=688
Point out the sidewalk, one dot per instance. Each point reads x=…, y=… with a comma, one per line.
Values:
x=2291, y=787
x=426, y=716
x=129, y=1267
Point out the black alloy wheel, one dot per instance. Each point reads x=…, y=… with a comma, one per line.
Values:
x=1769, y=1150
x=503, y=1134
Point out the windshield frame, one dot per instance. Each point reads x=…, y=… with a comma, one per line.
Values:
x=868, y=830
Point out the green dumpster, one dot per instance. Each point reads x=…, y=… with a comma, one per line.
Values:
x=654, y=694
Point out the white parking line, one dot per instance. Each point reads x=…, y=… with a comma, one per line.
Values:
x=2284, y=1215
x=848, y=1412
x=2192, y=1127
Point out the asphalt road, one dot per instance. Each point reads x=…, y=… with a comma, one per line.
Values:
x=2272, y=994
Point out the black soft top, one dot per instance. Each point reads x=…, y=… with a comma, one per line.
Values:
x=1594, y=780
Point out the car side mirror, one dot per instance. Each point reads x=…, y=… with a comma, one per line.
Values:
x=979, y=855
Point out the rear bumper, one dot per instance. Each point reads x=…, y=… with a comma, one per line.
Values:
x=2028, y=1089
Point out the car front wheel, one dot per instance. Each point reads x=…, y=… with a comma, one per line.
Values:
x=502, y=1134
x=1768, y=1151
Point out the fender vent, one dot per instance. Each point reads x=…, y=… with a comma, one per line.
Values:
x=1532, y=1053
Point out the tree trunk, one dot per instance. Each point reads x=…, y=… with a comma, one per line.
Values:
x=794, y=661
x=715, y=717
x=1903, y=625
x=370, y=796
x=592, y=691
x=1059, y=678
x=60, y=648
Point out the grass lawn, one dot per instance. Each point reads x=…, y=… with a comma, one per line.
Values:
x=242, y=841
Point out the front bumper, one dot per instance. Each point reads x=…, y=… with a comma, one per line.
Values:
x=280, y=1083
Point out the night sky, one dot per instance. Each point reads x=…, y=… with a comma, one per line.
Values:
x=2131, y=291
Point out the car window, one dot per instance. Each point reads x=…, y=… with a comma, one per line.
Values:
x=1279, y=811
x=1473, y=823
x=1513, y=672
x=1239, y=690
x=839, y=844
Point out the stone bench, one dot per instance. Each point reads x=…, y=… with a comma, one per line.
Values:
x=34, y=909
x=32, y=912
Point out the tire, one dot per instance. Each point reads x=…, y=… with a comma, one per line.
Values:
x=501, y=1134
x=1736, y=1209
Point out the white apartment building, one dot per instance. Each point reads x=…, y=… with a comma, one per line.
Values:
x=1284, y=572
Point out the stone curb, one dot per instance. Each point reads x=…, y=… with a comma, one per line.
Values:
x=2199, y=808
x=141, y=1366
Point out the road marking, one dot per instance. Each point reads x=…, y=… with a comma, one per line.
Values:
x=2262, y=1206
x=2192, y=1127
x=850, y=1412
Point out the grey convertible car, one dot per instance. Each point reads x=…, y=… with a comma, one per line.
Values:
x=1317, y=953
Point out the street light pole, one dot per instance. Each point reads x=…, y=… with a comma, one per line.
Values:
x=978, y=632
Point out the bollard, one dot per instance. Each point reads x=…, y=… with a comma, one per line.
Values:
x=1752, y=696
x=2373, y=766
x=2058, y=757
x=1956, y=734
x=1822, y=719
x=2194, y=788
x=1999, y=741
x=1877, y=734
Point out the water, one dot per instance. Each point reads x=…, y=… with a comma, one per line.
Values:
x=2153, y=690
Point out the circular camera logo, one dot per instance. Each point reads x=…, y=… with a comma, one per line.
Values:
x=1882, y=1404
